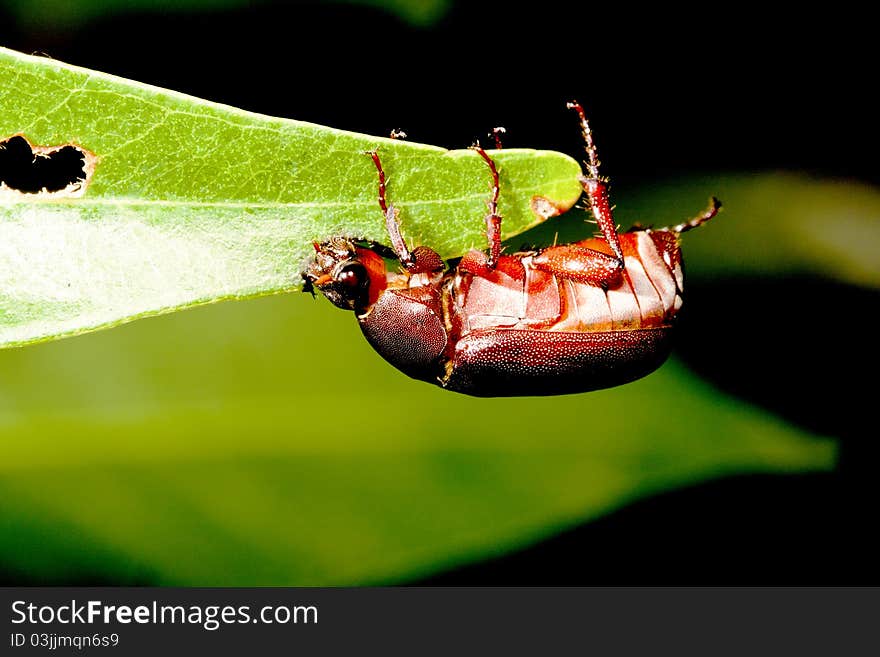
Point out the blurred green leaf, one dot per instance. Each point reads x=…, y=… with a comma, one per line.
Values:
x=772, y=224
x=65, y=14
x=264, y=442
x=783, y=224
x=193, y=202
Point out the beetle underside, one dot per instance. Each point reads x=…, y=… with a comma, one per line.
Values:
x=564, y=319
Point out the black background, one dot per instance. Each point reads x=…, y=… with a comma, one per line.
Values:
x=721, y=87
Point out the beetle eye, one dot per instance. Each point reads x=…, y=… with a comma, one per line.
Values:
x=353, y=275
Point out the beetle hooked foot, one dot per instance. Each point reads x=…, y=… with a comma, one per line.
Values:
x=713, y=209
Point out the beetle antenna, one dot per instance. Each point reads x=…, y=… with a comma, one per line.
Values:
x=493, y=219
x=708, y=213
x=592, y=161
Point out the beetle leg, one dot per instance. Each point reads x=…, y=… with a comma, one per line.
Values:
x=708, y=213
x=421, y=259
x=496, y=135
x=392, y=224
x=493, y=219
x=596, y=188
x=579, y=264
x=377, y=247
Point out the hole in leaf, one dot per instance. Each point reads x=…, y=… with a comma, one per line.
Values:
x=544, y=208
x=56, y=170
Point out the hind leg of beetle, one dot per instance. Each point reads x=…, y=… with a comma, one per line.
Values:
x=582, y=264
x=708, y=213
x=421, y=259
x=579, y=263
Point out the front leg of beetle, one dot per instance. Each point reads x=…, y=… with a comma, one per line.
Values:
x=420, y=259
x=579, y=263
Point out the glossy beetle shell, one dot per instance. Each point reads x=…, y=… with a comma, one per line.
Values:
x=407, y=328
x=510, y=363
x=519, y=330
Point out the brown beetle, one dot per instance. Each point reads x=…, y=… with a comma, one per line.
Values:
x=564, y=319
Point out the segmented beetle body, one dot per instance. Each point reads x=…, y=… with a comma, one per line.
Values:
x=564, y=319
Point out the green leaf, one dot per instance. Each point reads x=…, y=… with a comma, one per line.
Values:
x=265, y=443
x=192, y=202
x=772, y=224
x=781, y=224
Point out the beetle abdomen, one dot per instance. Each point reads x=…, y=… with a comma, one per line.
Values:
x=512, y=362
x=536, y=333
x=646, y=295
x=406, y=328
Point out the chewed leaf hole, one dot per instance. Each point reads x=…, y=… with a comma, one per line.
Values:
x=544, y=208
x=59, y=171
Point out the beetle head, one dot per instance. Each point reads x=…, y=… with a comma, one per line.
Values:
x=351, y=277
